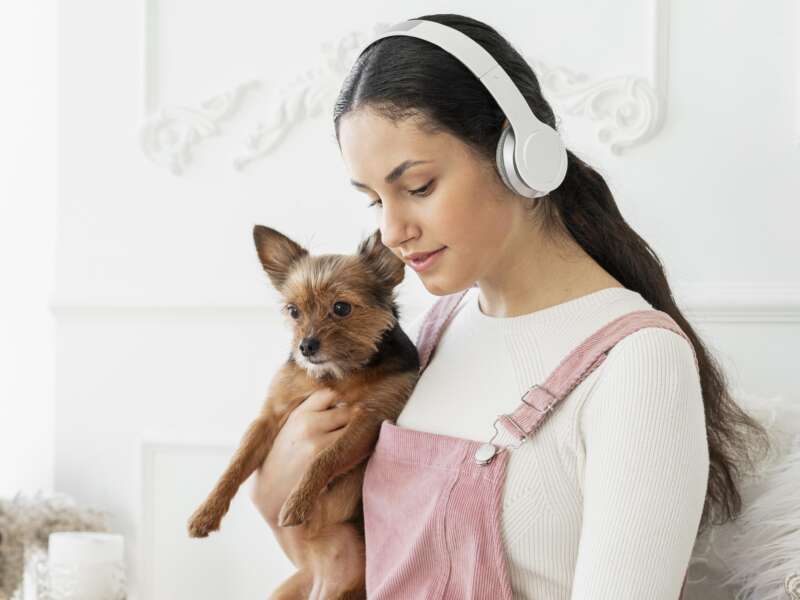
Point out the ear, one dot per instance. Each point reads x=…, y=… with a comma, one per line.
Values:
x=277, y=253
x=381, y=260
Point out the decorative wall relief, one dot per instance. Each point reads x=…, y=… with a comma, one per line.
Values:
x=167, y=137
x=628, y=110
x=309, y=95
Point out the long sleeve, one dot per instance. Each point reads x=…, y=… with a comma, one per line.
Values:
x=646, y=471
x=604, y=501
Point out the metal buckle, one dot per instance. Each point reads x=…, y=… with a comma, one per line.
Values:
x=487, y=451
x=485, y=454
x=549, y=407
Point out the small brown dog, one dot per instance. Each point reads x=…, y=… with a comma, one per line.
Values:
x=347, y=338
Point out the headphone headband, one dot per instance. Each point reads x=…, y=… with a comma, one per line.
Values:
x=480, y=62
x=534, y=152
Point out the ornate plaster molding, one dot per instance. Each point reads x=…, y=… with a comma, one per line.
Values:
x=628, y=110
x=625, y=109
x=168, y=136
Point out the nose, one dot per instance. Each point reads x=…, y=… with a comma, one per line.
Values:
x=394, y=226
x=309, y=346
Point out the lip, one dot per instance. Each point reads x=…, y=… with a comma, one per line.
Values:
x=419, y=255
x=426, y=261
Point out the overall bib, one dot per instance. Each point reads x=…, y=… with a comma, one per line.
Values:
x=432, y=502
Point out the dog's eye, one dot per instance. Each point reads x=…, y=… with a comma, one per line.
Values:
x=293, y=312
x=341, y=309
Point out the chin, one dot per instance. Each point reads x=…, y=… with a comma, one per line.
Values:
x=328, y=368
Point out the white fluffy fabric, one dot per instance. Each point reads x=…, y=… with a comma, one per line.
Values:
x=767, y=550
x=757, y=556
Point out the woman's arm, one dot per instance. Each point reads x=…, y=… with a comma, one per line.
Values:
x=646, y=471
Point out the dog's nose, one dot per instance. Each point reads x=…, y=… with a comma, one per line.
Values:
x=309, y=346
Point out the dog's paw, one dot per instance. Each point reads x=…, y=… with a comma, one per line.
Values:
x=294, y=511
x=203, y=521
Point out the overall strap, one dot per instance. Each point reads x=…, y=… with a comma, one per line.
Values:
x=434, y=323
x=538, y=401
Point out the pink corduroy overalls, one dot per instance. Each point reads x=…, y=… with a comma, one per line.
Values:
x=432, y=502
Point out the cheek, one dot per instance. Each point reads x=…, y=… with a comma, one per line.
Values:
x=474, y=220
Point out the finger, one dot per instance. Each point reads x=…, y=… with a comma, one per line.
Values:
x=333, y=418
x=320, y=399
x=328, y=438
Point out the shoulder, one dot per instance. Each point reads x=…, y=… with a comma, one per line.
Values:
x=412, y=325
x=647, y=377
x=435, y=309
x=651, y=348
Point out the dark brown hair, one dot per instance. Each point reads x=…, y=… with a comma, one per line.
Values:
x=401, y=76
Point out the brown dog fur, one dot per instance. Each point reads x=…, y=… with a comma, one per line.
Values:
x=371, y=365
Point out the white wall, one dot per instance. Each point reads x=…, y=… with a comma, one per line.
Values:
x=166, y=333
x=28, y=186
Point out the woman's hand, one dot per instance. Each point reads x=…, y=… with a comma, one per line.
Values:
x=312, y=426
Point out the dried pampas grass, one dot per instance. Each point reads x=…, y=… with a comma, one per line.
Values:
x=25, y=527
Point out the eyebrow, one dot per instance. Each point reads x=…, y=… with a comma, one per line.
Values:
x=394, y=173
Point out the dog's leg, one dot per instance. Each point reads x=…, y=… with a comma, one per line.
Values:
x=352, y=447
x=252, y=451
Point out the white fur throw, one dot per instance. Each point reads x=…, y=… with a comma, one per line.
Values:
x=757, y=556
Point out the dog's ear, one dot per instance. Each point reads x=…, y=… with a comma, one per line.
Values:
x=381, y=260
x=277, y=253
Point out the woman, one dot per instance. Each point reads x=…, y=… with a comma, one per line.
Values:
x=605, y=501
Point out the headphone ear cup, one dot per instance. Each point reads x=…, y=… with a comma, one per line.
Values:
x=500, y=155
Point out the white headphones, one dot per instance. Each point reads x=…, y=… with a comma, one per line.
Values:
x=537, y=163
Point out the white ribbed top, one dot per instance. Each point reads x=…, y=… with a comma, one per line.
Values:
x=604, y=501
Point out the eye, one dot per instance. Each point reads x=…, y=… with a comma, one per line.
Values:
x=293, y=312
x=421, y=192
x=341, y=309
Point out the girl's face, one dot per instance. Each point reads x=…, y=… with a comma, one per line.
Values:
x=431, y=191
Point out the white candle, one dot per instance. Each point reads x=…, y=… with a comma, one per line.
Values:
x=86, y=565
